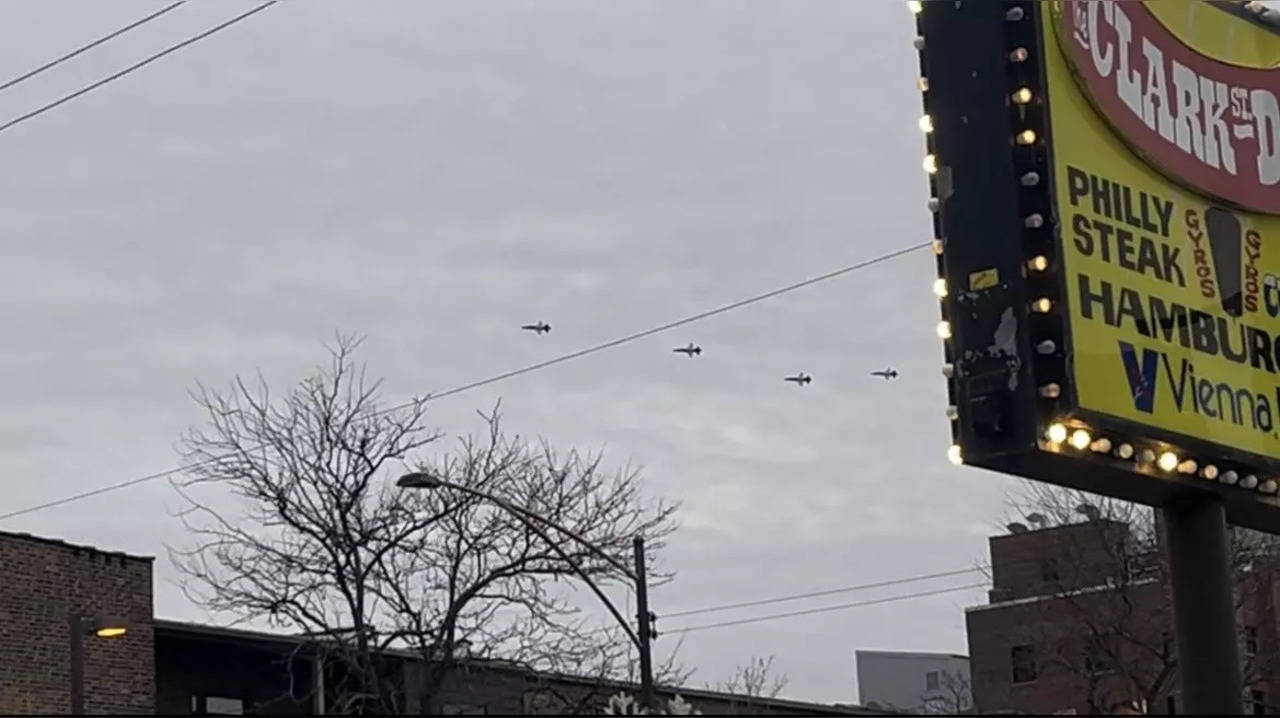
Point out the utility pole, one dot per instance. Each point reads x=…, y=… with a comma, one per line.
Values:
x=644, y=620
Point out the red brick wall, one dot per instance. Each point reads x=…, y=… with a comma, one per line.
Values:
x=41, y=582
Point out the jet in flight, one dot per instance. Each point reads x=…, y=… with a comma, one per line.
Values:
x=888, y=374
x=539, y=328
x=800, y=379
x=690, y=351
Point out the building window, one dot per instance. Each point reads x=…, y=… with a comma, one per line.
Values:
x=216, y=706
x=1049, y=570
x=1171, y=705
x=1259, y=700
x=1023, y=659
x=931, y=681
x=1251, y=640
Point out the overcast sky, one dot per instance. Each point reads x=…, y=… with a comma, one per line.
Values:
x=435, y=174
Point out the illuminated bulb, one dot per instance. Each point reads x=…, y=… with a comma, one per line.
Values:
x=940, y=287
x=1249, y=482
x=1057, y=433
x=1168, y=461
x=1014, y=14
x=937, y=246
x=1051, y=391
x=954, y=456
x=948, y=370
x=926, y=124
x=944, y=330
x=1046, y=347
x=919, y=43
x=934, y=204
x=1229, y=478
x=1022, y=96
x=1019, y=55
x=1188, y=467
x=1268, y=487
x=1209, y=472
x=1125, y=451
x=1080, y=439
x=953, y=413
x=1101, y=446
x=915, y=6
x=1030, y=179
x=1033, y=221
x=930, y=164
x=1147, y=456
x=1038, y=263
x=1042, y=305
x=922, y=84
x=1025, y=137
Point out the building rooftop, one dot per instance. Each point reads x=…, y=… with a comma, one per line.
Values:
x=909, y=654
x=71, y=546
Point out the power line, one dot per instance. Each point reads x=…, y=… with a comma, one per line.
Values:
x=825, y=609
x=90, y=46
x=136, y=66
x=818, y=594
x=505, y=375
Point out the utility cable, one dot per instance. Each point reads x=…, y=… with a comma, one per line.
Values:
x=136, y=66
x=85, y=48
x=505, y=375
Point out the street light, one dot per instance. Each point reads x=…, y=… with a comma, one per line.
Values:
x=101, y=627
x=422, y=480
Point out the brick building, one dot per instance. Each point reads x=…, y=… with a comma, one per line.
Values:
x=1079, y=621
x=175, y=668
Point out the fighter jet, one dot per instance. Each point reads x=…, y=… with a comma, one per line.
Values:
x=690, y=351
x=889, y=374
x=800, y=379
x=539, y=328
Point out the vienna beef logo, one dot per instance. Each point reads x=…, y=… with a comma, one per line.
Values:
x=1214, y=127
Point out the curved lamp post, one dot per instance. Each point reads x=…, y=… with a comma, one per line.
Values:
x=420, y=480
x=81, y=626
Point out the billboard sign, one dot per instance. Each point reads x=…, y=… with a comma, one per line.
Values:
x=1133, y=217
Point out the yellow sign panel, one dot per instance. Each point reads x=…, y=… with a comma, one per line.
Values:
x=1173, y=294
x=984, y=279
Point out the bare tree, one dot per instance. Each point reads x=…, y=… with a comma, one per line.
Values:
x=755, y=679
x=1107, y=621
x=954, y=695
x=322, y=543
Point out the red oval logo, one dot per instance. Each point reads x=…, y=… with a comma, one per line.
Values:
x=1211, y=126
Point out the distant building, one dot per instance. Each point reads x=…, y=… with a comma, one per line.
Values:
x=930, y=683
x=173, y=668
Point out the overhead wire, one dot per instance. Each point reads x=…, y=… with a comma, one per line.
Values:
x=508, y=374
x=136, y=66
x=85, y=48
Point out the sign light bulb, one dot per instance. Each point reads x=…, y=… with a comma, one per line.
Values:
x=1249, y=482
x=1209, y=472
x=930, y=164
x=948, y=370
x=926, y=124
x=919, y=43
x=1080, y=439
x=1033, y=221
x=922, y=84
x=1025, y=137
x=1188, y=467
x=940, y=287
x=934, y=204
x=1030, y=179
x=1057, y=433
x=1101, y=446
x=953, y=413
x=1148, y=456
x=944, y=330
x=1269, y=486
x=1014, y=14
x=1042, y=305
x=1125, y=451
x=1038, y=263
x=1022, y=96
x=1229, y=478
x=1046, y=347
x=1168, y=461
x=937, y=247
x=954, y=455
x=915, y=6
x=1051, y=391
x=1019, y=54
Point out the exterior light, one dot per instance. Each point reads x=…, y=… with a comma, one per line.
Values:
x=1125, y=451
x=1101, y=446
x=1249, y=482
x=937, y=246
x=1188, y=467
x=953, y=413
x=930, y=164
x=1033, y=221
x=1038, y=263
x=1268, y=487
x=922, y=84
x=1042, y=305
x=1025, y=137
x=1209, y=472
x=915, y=6
x=1019, y=55
x=1081, y=439
x=1057, y=433
x=1168, y=461
x=110, y=631
x=1046, y=347
x=919, y=43
x=1229, y=478
x=954, y=455
x=944, y=330
x=1022, y=96
x=1051, y=391
x=934, y=204
x=948, y=370
x=1014, y=14
x=926, y=124
x=940, y=287
x=1030, y=179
